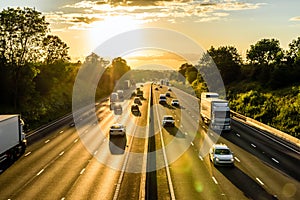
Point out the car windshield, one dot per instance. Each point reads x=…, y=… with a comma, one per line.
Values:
x=168, y=118
x=222, y=151
x=116, y=126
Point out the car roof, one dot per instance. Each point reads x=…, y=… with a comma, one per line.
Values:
x=168, y=116
x=221, y=146
x=117, y=125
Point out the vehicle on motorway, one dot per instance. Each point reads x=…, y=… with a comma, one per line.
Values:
x=137, y=100
x=120, y=94
x=216, y=112
x=168, y=120
x=162, y=99
x=117, y=130
x=12, y=137
x=168, y=94
x=175, y=102
x=139, y=92
x=118, y=109
x=220, y=154
x=209, y=95
x=156, y=88
x=135, y=108
x=169, y=89
x=113, y=99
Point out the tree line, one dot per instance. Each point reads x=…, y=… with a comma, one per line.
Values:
x=264, y=86
x=36, y=75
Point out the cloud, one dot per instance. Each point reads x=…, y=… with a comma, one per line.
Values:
x=84, y=12
x=297, y=18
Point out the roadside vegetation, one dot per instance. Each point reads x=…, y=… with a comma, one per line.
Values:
x=265, y=86
x=36, y=75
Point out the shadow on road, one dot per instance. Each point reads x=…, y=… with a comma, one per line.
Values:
x=117, y=144
x=251, y=188
x=175, y=131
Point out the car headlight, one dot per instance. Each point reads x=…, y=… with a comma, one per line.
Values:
x=232, y=159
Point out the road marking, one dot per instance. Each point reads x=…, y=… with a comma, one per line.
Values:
x=237, y=159
x=215, y=180
x=61, y=153
x=27, y=154
x=201, y=158
x=275, y=160
x=238, y=135
x=63, y=198
x=40, y=172
x=260, y=181
x=82, y=171
x=61, y=131
x=192, y=143
x=47, y=141
x=95, y=152
x=75, y=140
x=181, y=126
x=185, y=133
x=86, y=131
x=253, y=145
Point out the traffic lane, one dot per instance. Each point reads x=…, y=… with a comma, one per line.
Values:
x=226, y=185
x=38, y=157
x=273, y=181
x=274, y=154
x=34, y=159
x=190, y=176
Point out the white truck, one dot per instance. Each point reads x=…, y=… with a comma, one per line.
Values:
x=216, y=112
x=209, y=95
x=12, y=138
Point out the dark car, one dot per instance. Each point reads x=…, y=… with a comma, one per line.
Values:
x=135, y=108
x=168, y=94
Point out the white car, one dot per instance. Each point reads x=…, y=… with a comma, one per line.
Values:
x=175, y=102
x=117, y=130
x=168, y=120
x=220, y=154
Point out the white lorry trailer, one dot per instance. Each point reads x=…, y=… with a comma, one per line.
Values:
x=216, y=112
x=12, y=138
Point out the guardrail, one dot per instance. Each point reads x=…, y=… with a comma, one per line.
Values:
x=267, y=128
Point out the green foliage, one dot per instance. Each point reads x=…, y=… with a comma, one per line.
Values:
x=281, y=111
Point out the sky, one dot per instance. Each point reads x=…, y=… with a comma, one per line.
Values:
x=85, y=25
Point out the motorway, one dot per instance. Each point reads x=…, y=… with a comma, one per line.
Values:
x=83, y=162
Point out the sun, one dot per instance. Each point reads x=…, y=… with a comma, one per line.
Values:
x=110, y=26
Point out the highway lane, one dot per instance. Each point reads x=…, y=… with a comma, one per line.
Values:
x=252, y=175
x=61, y=167
x=190, y=175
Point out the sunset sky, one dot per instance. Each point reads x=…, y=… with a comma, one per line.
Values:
x=84, y=25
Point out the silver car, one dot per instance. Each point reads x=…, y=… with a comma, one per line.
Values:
x=220, y=154
x=117, y=130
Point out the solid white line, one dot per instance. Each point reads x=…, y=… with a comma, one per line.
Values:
x=171, y=188
x=40, y=172
x=215, y=180
x=253, y=145
x=259, y=181
x=47, y=141
x=237, y=159
x=275, y=160
x=27, y=154
x=82, y=171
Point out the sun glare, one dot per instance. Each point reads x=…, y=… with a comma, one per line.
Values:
x=109, y=27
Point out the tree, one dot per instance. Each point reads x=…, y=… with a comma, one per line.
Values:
x=265, y=52
x=21, y=32
x=228, y=62
x=55, y=50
